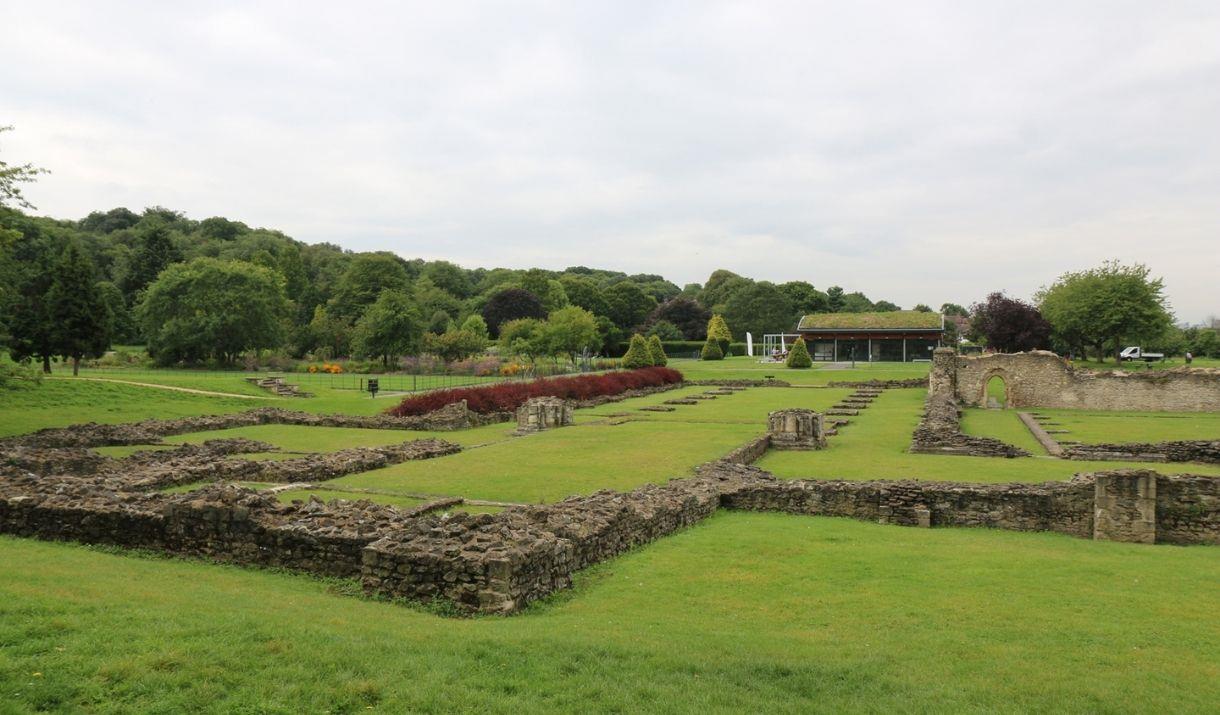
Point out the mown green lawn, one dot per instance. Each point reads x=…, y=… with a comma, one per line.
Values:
x=551, y=465
x=749, y=368
x=743, y=613
x=875, y=446
x=749, y=406
x=298, y=438
x=27, y=407
x=1091, y=426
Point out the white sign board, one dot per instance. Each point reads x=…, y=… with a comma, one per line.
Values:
x=749, y=345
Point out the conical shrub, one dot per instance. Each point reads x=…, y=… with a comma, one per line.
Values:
x=638, y=354
x=711, y=350
x=798, y=355
x=657, y=351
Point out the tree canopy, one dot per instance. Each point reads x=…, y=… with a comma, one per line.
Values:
x=208, y=308
x=1009, y=325
x=1110, y=305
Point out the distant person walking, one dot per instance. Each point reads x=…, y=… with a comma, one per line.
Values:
x=1189, y=357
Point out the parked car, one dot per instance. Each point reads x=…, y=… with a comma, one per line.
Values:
x=1137, y=353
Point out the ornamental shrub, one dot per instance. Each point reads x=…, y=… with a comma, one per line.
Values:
x=638, y=354
x=718, y=330
x=798, y=355
x=711, y=350
x=657, y=351
x=508, y=396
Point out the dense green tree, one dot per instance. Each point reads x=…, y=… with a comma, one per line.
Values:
x=585, y=293
x=637, y=355
x=366, y=278
x=219, y=228
x=440, y=322
x=155, y=251
x=123, y=325
x=720, y=284
x=455, y=344
x=511, y=304
x=805, y=299
x=81, y=320
x=570, y=331
x=212, y=308
x=760, y=308
x=449, y=277
x=920, y=307
x=629, y=305
x=610, y=334
x=886, y=306
x=856, y=302
x=685, y=313
x=798, y=355
x=657, y=351
x=711, y=350
x=327, y=334
x=389, y=328
x=523, y=337
x=1112, y=305
x=32, y=253
x=110, y=221
x=475, y=324
x=665, y=330
x=834, y=299
x=953, y=309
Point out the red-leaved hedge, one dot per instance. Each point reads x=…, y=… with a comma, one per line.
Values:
x=508, y=396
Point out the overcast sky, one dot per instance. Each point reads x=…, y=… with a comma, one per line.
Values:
x=915, y=151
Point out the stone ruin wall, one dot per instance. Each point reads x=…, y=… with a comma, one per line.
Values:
x=502, y=562
x=1043, y=379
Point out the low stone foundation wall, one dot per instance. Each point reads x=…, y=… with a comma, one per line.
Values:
x=740, y=383
x=940, y=432
x=1181, y=451
x=750, y=452
x=920, y=382
x=1064, y=507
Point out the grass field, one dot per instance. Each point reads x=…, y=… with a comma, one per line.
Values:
x=749, y=368
x=875, y=446
x=1091, y=426
x=746, y=612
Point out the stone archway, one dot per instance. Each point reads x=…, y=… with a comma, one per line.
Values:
x=988, y=394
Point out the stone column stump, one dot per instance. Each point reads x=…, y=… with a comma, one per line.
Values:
x=543, y=413
x=796, y=428
x=1124, y=506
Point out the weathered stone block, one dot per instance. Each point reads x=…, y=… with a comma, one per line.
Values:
x=796, y=428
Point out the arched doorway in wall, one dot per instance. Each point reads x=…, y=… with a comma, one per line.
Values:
x=995, y=392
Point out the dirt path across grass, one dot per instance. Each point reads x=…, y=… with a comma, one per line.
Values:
x=175, y=388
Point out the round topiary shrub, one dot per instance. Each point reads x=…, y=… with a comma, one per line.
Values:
x=657, y=351
x=798, y=355
x=711, y=350
x=638, y=354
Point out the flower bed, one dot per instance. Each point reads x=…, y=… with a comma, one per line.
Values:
x=507, y=397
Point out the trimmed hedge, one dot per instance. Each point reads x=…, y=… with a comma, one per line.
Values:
x=508, y=396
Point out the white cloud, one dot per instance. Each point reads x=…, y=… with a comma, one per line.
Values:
x=918, y=152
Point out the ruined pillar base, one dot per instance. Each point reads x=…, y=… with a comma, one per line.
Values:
x=543, y=413
x=796, y=428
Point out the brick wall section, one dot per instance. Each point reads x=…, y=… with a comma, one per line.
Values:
x=1043, y=379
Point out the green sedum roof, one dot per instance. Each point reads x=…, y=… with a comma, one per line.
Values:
x=891, y=320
